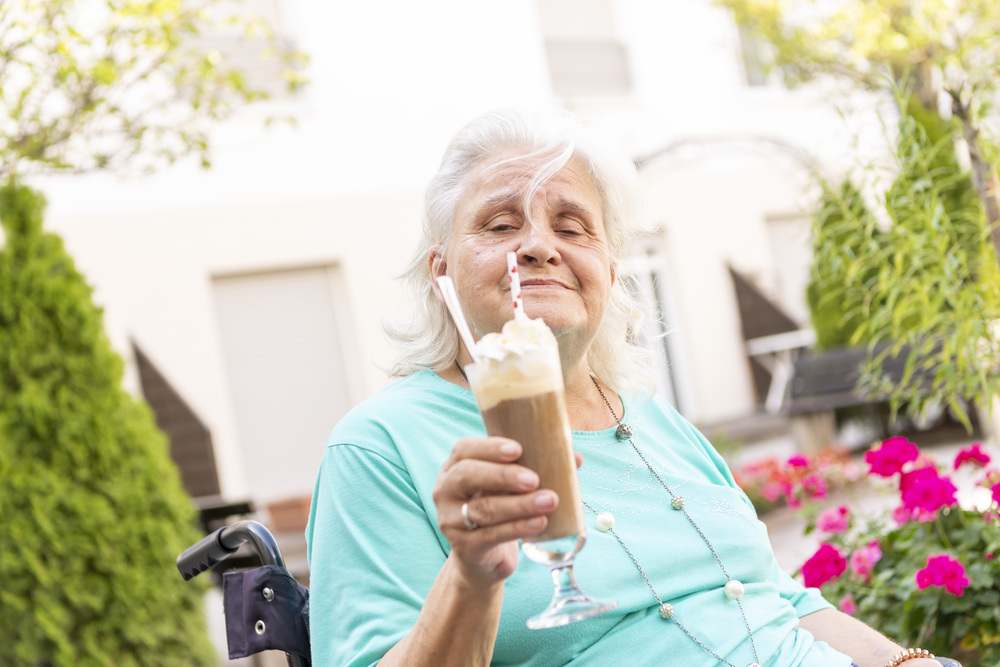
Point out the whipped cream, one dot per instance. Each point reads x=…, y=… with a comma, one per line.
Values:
x=517, y=338
x=521, y=360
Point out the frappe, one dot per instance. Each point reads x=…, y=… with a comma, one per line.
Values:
x=518, y=384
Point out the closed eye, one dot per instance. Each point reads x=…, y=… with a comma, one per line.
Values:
x=504, y=222
x=570, y=227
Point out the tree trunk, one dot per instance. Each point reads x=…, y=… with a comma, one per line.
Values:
x=984, y=176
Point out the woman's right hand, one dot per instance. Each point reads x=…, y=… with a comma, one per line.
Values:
x=504, y=501
x=459, y=619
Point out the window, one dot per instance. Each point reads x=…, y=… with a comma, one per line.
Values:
x=584, y=54
x=661, y=335
x=284, y=348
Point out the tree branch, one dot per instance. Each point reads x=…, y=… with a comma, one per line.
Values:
x=984, y=176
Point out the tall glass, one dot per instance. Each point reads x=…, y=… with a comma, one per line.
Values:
x=526, y=401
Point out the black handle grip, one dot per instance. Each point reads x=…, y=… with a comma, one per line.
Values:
x=224, y=542
x=203, y=555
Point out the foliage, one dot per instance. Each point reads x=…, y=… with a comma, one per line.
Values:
x=871, y=42
x=927, y=284
x=93, y=508
x=843, y=230
x=924, y=285
x=924, y=570
x=87, y=84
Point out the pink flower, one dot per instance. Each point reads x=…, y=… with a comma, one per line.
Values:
x=863, y=560
x=901, y=515
x=995, y=490
x=814, y=486
x=922, y=515
x=833, y=520
x=847, y=605
x=890, y=457
x=823, y=566
x=973, y=454
x=798, y=461
x=772, y=491
x=944, y=571
x=924, y=489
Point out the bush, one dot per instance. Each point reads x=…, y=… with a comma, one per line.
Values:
x=93, y=508
x=924, y=569
x=925, y=281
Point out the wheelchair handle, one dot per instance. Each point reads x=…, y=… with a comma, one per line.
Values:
x=223, y=543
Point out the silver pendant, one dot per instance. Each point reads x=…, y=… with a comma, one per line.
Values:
x=624, y=432
x=753, y=664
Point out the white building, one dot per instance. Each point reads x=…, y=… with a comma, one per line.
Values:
x=258, y=289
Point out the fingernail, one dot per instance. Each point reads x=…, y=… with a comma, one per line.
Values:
x=527, y=479
x=545, y=500
x=535, y=524
x=509, y=449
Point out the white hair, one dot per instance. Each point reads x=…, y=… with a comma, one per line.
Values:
x=429, y=340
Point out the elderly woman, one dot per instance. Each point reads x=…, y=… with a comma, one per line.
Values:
x=399, y=576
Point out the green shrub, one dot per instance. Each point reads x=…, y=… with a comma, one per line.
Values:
x=926, y=279
x=843, y=230
x=93, y=509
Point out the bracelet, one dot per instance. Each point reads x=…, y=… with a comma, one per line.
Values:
x=909, y=654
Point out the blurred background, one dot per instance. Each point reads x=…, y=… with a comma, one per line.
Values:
x=248, y=299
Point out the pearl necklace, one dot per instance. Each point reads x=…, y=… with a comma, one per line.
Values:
x=733, y=589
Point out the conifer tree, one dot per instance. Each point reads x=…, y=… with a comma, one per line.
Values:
x=93, y=508
x=92, y=511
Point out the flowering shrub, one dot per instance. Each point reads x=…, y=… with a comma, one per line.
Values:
x=798, y=481
x=923, y=569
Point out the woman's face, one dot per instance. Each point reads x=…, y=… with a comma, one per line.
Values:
x=562, y=251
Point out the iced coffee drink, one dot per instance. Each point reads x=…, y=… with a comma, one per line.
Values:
x=519, y=388
x=517, y=380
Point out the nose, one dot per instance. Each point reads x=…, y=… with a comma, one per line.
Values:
x=538, y=245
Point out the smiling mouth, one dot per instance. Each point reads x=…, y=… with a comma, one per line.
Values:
x=542, y=284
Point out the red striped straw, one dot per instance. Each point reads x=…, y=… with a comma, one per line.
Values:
x=515, y=286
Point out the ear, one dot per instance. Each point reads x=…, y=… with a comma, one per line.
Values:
x=614, y=274
x=437, y=266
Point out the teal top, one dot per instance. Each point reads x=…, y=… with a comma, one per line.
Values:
x=375, y=548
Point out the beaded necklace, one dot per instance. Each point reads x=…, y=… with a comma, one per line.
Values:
x=733, y=589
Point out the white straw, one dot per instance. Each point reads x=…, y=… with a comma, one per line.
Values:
x=515, y=286
x=455, y=308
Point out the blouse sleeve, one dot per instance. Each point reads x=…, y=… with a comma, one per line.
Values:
x=373, y=556
x=804, y=600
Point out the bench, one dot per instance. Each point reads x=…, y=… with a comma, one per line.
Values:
x=824, y=381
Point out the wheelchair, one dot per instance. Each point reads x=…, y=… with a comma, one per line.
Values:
x=265, y=607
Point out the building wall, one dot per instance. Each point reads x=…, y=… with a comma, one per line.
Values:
x=391, y=82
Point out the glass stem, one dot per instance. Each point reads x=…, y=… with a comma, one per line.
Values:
x=563, y=578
